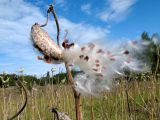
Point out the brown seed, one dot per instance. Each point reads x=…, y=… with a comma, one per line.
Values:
x=81, y=56
x=95, y=69
x=112, y=59
x=91, y=46
x=70, y=45
x=64, y=45
x=97, y=65
x=83, y=48
x=126, y=52
x=100, y=51
x=86, y=58
x=46, y=57
x=97, y=61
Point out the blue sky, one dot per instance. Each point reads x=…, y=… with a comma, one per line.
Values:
x=86, y=20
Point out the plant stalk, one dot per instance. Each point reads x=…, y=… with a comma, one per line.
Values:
x=69, y=74
x=77, y=96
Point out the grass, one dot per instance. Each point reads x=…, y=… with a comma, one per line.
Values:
x=143, y=100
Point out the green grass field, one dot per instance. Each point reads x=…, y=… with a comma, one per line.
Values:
x=143, y=102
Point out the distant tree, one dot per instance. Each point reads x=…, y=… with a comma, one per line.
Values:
x=145, y=36
x=29, y=81
x=156, y=40
x=61, y=77
x=151, y=51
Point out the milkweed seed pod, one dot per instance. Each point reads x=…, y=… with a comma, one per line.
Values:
x=43, y=42
x=60, y=115
x=63, y=116
x=99, y=65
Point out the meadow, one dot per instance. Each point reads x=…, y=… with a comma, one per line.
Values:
x=128, y=100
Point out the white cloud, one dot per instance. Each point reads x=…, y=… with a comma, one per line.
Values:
x=116, y=10
x=16, y=19
x=86, y=8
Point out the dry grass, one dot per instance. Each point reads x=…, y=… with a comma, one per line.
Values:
x=143, y=101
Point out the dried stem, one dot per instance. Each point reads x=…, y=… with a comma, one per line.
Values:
x=25, y=102
x=70, y=78
x=76, y=94
x=158, y=59
x=92, y=112
x=46, y=20
x=51, y=9
x=127, y=96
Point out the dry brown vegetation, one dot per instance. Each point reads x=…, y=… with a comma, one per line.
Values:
x=143, y=102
